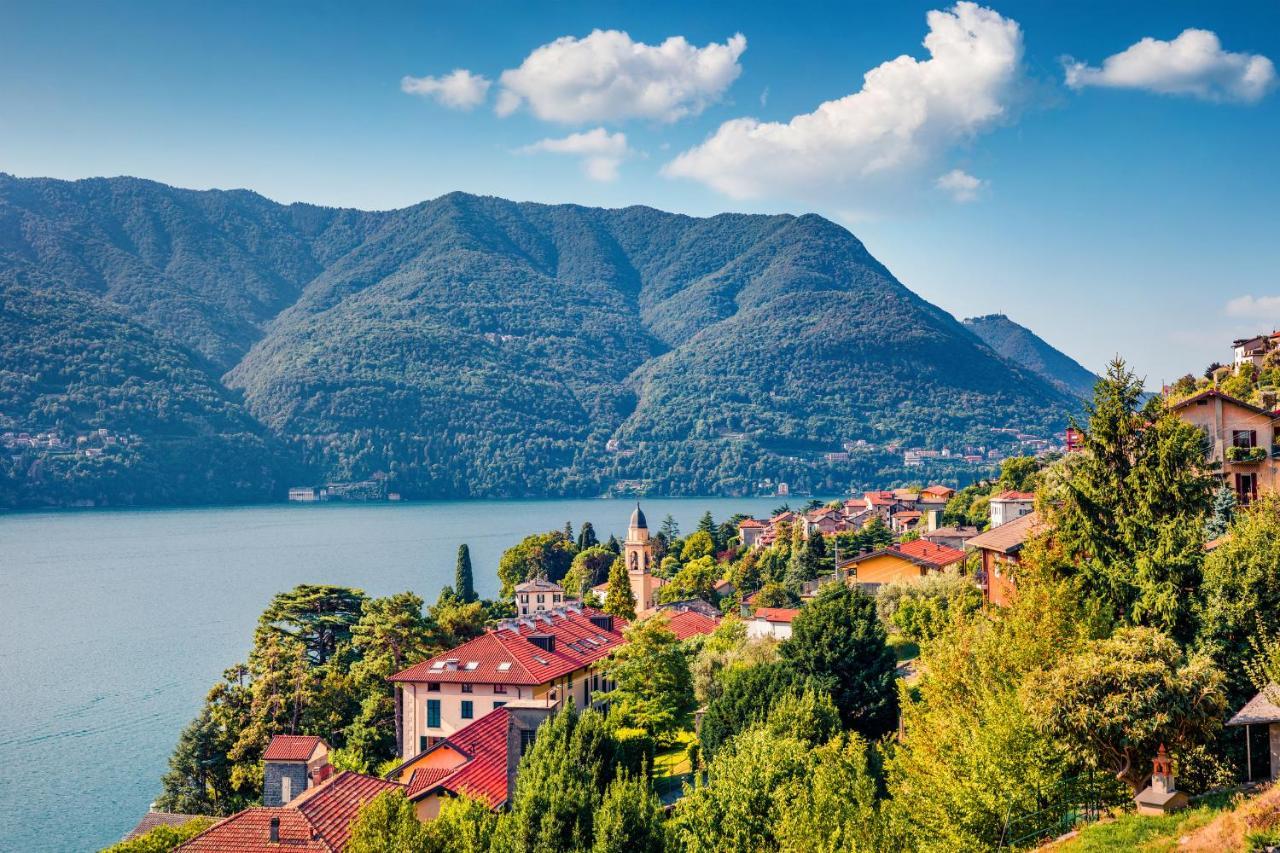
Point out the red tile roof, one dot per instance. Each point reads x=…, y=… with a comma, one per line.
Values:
x=1015, y=496
x=941, y=491
x=426, y=778
x=750, y=522
x=506, y=655
x=929, y=552
x=291, y=748
x=318, y=821
x=151, y=820
x=777, y=614
x=484, y=774
x=689, y=623
x=880, y=498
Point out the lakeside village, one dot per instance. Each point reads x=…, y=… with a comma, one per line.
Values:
x=1088, y=644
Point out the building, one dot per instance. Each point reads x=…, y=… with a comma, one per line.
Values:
x=153, y=818
x=545, y=657
x=938, y=493
x=1254, y=350
x=999, y=551
x=538, y=595
x=904, y=520
x=317, y=821
x=479, y=760
x=904, y=562
x=291, y=765
x=952, y=537
x=774, y=622
x=637, y=552
x=750, y=530
x=1007, y=506
x=1262, y=710
x=1242, y=439
x=304, y=494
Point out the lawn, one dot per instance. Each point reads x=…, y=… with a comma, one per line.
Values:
x=904, y=648
x=1143, y=833
x=671, y=768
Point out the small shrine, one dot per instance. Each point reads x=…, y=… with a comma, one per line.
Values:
x=1162, y=795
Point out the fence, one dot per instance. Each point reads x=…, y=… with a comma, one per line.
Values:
x=1079, y=799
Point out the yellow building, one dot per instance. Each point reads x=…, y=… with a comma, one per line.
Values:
x=905, y=562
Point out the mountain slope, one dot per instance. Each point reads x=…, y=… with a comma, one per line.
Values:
x=1022, y=346
x=471, y=346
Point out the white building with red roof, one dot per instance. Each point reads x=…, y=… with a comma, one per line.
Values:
x=1007, y=506
x=544, y=657
x=774, y=622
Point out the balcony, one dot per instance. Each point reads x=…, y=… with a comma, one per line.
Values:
x=1246, y=455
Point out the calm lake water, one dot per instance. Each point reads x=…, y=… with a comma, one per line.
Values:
x=113, y=625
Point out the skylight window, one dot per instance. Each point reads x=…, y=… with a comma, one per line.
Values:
x=472, y=664
x=438, y=665
x=504, y=666
x=542, y=661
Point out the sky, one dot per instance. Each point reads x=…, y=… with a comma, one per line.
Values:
x=1104, y=173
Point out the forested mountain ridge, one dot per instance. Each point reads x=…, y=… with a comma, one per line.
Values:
x=472, y=346
x=1023, y=346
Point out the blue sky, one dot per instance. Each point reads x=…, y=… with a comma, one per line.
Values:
x=1124, y=205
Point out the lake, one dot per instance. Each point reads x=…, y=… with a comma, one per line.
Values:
x=114, y=624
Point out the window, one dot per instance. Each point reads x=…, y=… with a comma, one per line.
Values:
x=468, y=688
x=286, y=789
x=526, y=739
x=595, y=681
x=433, y=687
x=541, y=598
x=422, y=743
x=1246, y=488
x=499, y=688
x=497, y=705
x=468, y=709
x=1244, y=438
x=433, y=713
x=555, y=598
x=524, y=611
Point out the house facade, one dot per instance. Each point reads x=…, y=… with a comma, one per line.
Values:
x=904, y=562
x=1241, y=439
x=1007, y=506
x=771, y=622
x=537, y=595
x=1000, y=552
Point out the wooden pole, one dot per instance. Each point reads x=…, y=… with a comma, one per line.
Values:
x=1248, y=752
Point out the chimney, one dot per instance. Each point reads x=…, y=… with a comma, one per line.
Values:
x=273, y=834
x=546, y=642
x=602, y=621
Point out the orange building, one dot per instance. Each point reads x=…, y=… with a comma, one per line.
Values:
x=1242, y=440
x=905, y=562
x=1000, y=550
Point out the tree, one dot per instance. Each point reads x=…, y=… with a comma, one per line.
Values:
x=747, y=694
x=1241, y=593
x=587, y=537
x=463, y=583
x=542, y=555
x=620, y=600
x=456, y=622
x=199, y=777
x=464, y=825
x=832, y=806
x=922, y=611
x=1127, y=511
x=589, y=567
x=1117, y=700
x=1221, y=513
x=629, y=819
x=162, y=839
x=774, y=594
x=388, y=822
x=696, y=579
x=669, y=528
x=281, y=686
x=318, y=616
x=838, y=637
x=654, y=690
x=1019, y=474
x=699, y=544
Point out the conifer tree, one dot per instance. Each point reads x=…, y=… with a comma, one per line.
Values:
x=587, y=536
x=463, y=582
x=629, y=819
x=1222, y=512
x=620, y=600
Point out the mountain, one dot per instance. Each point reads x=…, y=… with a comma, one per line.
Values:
x=1022, y=346
x=466, y=346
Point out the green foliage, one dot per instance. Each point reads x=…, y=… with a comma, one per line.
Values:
x=745, y=698
x=162, y=839
x=463, y=582
x=699, y=544
x=923, y=610
x=1118, y=699
x=589, y=567
x=620, y=600
x=837, y=637
x=199, y=776
x=1127, y=512
x=386, y=823
x=654, y=689
x=587, y=537
x=696, y=579
x=317, y=616
x=1022, y=346
x=833, y=806
x=542, y=555
x=776, y=594
x=1221, y=513
x=630, y=818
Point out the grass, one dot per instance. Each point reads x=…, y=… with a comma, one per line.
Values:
x=904, y=648
x=1146, y=834
x=674, y=759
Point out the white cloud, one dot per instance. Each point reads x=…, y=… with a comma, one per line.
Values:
x=602, y=152
x=459, y=90
x=608, y=77
x=1192, y=64
x=1255, y=307
x=905, y=114
x=962, y=186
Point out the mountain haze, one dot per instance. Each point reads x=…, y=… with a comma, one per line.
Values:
x=466, y=346
x=1023, y=346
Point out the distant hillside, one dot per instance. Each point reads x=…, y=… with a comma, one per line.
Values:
x=1022, y=346
x=468, y=346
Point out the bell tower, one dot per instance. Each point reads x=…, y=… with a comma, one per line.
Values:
x=637, y=551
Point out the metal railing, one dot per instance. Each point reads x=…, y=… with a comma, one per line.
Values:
x=1079, y=799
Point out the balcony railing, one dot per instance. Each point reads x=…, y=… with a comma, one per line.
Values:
x=1246, y=454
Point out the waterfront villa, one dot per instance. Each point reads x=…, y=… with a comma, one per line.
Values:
x=534, y=596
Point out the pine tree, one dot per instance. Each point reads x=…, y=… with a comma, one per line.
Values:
x=1221, y=514
x=613, y=544
x=629, y=819
x=568, y=532
x=707, y=525
x=463, y=582
x=620, y=601
x=587, y=536
x=669, y=529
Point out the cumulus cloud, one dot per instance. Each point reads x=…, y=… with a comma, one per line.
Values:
x=1192, y=64
x=1255, y=307
x=602, y=152
x=459, y=90
x=607, y=77
x=962, y=186
x=905, y=114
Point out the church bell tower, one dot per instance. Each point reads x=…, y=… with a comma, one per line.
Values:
x=637, y=551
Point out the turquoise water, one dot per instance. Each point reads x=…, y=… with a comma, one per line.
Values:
x=113, y=625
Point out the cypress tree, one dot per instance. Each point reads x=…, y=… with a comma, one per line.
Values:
x=587, y=536
x=463, y=582
x=620, y=600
